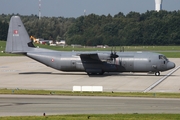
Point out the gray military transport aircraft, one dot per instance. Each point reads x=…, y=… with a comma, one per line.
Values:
x=96, y=62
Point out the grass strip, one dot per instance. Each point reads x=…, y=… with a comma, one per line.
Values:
x=173, y=50
x=70, y=93
x=99, y=117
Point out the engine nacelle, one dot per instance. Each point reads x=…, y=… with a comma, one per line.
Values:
x=104, y=56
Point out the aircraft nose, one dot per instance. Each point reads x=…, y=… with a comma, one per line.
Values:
x=170, y=65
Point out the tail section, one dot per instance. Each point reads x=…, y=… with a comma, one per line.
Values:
x=18, y=40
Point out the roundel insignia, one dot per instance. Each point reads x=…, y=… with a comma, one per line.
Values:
x=52, y=60
x=15, y=32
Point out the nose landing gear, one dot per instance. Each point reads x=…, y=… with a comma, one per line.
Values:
x=157, y=73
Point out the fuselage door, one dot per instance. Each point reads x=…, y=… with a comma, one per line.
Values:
x=73, y=63
x=163, y=62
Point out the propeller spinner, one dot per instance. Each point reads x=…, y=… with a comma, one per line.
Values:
x=113, y=55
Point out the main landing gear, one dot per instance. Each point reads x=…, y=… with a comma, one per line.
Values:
x=93, y=73
x=157, y=73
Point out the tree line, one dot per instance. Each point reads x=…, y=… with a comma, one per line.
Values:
x=149, y=28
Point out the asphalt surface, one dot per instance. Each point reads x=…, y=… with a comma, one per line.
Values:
x=25, y=73
x=22, y=105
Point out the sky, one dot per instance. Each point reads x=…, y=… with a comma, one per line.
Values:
x=75, y=8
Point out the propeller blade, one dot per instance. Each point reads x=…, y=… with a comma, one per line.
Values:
x=113, y=55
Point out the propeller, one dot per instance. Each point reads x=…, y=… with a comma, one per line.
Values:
x=113, y=55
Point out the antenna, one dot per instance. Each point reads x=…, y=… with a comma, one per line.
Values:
x=39, y=9
x=158, y=5
x=84, y=12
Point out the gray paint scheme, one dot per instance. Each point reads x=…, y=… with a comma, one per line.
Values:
x=18, y=41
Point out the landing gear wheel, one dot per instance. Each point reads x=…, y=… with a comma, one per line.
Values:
x=101, y=73
x=157, y=73
x=89, y=73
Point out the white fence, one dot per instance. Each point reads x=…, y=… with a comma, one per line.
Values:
x=87, y=88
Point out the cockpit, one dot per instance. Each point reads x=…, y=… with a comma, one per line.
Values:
x=163, y=57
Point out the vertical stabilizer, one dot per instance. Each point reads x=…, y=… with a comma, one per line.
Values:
x=18, y=40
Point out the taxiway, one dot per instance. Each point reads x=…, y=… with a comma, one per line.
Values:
x=31, y=105
x=24, y=73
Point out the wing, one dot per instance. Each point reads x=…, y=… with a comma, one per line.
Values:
x=90, y=58
x=92, y=63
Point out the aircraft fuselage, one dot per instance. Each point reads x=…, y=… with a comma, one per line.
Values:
x=126, y=62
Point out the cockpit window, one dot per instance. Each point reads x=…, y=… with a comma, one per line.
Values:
x=163, y=57
x=160, y=56
x=166, y=58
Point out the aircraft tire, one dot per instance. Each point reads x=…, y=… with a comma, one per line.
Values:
x=157, y=73
x=101, y=73
x=89, y=73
